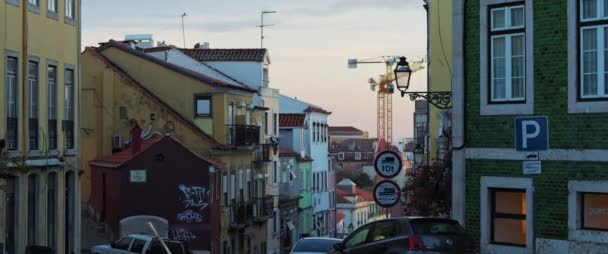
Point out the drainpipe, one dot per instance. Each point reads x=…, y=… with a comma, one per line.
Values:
x=78, y=201
x=24, y=61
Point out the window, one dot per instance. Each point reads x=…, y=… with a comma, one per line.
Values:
x=265, y=77
x=69, y=109
x=51, y=211
x=34, y=2
x=52, y=106
x=70, y=9
x=203, y=106
x=122, y=112
x=593, y=51
x=275, y=172
x=225, y=189
x=508, y=225
x=358, y=156
x=33, y=104
x=275, y=227
x=241, y=191
x=12, y=90
x=341, y=156
x=52, y=6
x=358, y=237
x=275, y=124
x=507, y=54
x=266, y=123
x=594, y=212
x=232, y=187
x=123, y=244
x=138, y=245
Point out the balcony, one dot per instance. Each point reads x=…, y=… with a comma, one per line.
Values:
x=241, y=214
x=289, y=191
x=262, y=209
x=264, y=153
x=243, y=135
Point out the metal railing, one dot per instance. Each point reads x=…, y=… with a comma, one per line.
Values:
x=243, y=135
x=241, y=212
x=264, y=153
x=262, y=208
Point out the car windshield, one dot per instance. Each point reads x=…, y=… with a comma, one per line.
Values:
x=315, y=245
x=436, y=226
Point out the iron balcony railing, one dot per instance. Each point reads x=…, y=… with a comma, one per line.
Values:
x=264, y=153
x=262, y=208
x=12, y=123
x=289, y=190
x=243, y=135
x=241, y=213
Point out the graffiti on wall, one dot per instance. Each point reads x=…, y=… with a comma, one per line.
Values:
x=182, y=234
x=189, y=216
x=194, y=196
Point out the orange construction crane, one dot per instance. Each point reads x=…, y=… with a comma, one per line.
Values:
x=385, y=89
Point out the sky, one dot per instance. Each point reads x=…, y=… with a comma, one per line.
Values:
x=309, y=44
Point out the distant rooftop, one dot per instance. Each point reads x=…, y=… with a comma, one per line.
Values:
x=226, y=55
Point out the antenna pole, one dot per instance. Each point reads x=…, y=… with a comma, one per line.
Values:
x=262, y=27
x=183, y=30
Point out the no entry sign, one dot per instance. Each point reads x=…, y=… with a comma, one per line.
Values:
x=388, y=164
x=387, y=193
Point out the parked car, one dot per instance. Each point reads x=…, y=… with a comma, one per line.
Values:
x=409, y=235
x=141, y=244
x=314, y=245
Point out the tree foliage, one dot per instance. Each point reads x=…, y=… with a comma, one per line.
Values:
x=428, y=189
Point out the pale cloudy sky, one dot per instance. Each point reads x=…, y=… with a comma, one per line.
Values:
x=309, y=43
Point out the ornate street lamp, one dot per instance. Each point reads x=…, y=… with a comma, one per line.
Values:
x=403, y=74
x=418, y=154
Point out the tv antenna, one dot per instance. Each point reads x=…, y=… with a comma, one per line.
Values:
x=262, y=25
x=183, y=30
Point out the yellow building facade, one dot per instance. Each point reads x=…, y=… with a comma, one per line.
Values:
x=39, y=131
x=217, y=120
x=440, y=64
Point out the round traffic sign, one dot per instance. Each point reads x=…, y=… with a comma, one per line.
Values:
x=388, y=164
x=387, y=193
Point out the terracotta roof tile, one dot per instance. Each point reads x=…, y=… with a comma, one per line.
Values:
x=226, y=55
x=317, y=110
x=342, y=129
x=125, y=155
x=291, y=120
x=340, y=216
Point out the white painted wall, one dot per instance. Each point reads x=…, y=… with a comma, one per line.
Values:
x=250, y=73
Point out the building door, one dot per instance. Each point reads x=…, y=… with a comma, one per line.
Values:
x=69, y=212
x=10, y=216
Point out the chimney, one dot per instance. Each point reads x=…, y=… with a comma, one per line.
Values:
x=135, y=137
x=197, y=45
x=205, y=45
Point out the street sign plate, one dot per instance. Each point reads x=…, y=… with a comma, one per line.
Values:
x=532, y=167
x=532, y=133
x=137, y=176
x=388, y=164
x=387, y=193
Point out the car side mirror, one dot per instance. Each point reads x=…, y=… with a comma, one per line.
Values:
x=338, y=246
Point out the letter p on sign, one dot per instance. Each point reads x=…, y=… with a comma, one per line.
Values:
x=531, y=133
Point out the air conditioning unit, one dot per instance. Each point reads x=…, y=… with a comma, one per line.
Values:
x=116, y=142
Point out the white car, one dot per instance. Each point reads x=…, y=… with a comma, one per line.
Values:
x=140, y=244
x=314, y=245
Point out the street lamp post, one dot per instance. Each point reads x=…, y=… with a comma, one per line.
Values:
x=403, y=74
x=418, y=154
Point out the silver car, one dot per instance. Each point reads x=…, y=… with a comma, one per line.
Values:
x=314, y=245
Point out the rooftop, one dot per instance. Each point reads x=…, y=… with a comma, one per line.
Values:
x=292, y=120
x=226, y=55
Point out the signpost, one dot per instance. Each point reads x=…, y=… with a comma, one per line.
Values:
x=532, y=133
x=387, y=193
x=388, y=164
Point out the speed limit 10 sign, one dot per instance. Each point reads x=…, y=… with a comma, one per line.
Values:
x=388, y=164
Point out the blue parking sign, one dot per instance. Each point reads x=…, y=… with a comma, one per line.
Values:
x=532, y=133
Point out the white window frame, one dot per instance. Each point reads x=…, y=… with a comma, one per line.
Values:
x=341, y=156
x=70, y=9
x=488, y=107
x=575, y=230
x=17, y=100
x=358, y=156
x=489, y=182
x=575, y=105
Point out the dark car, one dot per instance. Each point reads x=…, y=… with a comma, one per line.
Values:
x=407, y=235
